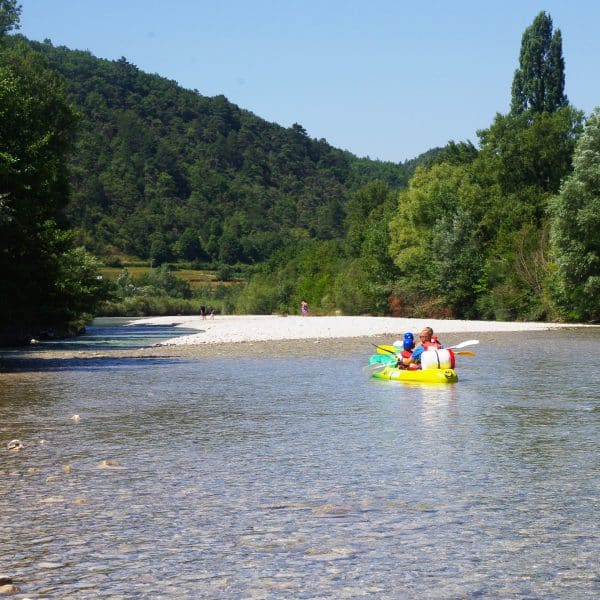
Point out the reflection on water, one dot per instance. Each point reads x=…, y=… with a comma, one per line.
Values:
x=296, y=477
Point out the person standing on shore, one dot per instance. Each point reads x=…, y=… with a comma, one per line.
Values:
x=304, y=307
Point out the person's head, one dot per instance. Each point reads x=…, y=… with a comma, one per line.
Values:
x=425, y=335
x=408, y=342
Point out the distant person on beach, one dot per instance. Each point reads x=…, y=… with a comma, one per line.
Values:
x=203, y=312
x=212, y=313
x=304, y=308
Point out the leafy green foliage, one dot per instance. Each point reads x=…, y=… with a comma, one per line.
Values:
x=161, y=292
x=470, y=232
x=46, y=286
x=458, y=261
x=434, y=237
x=576, y=228
x=530, y=150
x=10, y=15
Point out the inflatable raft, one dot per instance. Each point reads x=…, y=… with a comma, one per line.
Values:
x=417, y=375
x=437, y=367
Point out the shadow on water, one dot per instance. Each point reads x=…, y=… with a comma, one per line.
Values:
x=23, y=364
x=107, y=334
x=104, y=335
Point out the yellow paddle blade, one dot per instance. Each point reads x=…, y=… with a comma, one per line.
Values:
x=383, y=349
x=465, y=353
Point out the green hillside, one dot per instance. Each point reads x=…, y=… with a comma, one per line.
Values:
x=164, y=173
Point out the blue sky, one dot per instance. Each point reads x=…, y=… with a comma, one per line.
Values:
x=380, y=78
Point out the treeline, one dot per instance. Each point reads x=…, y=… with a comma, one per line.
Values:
x=508, y=229
x=505, y=229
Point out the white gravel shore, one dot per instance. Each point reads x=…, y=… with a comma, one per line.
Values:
x=256, y=328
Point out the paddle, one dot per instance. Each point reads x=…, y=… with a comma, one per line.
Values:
x=370, y=370
x=383, y=349
x=463, y=344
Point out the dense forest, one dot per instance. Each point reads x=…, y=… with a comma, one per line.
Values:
x=164, y=173
x=103, y=163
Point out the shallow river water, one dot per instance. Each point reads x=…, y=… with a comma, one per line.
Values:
x=296, y=477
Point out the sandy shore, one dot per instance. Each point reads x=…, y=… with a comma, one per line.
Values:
x=254, y=328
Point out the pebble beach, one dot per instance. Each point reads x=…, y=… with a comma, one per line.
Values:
x=269, y=328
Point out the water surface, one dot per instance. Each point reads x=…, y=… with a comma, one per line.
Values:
x=296, y=477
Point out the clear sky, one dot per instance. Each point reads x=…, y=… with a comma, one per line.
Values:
x=380, y=78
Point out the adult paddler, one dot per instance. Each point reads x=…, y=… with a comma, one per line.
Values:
x=426, y=344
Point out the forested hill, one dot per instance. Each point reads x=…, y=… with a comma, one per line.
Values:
x=164, y=173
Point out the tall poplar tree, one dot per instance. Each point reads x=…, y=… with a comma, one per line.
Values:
x=539, y=82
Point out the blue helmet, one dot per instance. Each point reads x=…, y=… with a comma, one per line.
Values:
x=409, y=341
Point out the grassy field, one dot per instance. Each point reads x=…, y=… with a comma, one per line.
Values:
x=196, y=279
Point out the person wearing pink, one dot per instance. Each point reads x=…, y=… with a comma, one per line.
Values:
x=304, y=308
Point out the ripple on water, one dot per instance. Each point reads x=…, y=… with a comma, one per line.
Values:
x=296, y=477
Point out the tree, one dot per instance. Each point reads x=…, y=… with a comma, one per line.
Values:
x=45, y=285
x=530, y=149
x=461, y=153
x=10, y=13
x=575, y=233
x=458, y=265
x=539, y=82
x=436, y=238
x=359, y=209
x=188, y=246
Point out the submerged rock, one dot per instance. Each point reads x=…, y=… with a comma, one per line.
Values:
x=9, y=588
x=332, y=510
x=52, y=500
x=15, y=445
x=109, y=463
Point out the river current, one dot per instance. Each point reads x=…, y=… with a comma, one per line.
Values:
x=297, y=477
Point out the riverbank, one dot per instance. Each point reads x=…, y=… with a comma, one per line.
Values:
x=272, y=336
x=270, y=328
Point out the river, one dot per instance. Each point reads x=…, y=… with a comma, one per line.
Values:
x=296, y=477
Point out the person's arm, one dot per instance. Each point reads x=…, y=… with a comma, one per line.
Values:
x=416, y=355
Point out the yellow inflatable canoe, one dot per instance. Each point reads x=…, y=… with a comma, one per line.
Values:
x=424, y=376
